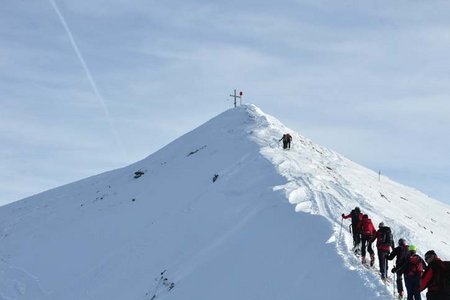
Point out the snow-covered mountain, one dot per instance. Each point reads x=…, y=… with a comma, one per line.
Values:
x=223, y=212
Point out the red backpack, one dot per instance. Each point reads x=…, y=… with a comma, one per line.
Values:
x=367, y=227
x=415, y=267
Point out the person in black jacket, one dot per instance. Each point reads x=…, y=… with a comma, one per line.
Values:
x=286, y=138
x=356, y=217
x=400, y=252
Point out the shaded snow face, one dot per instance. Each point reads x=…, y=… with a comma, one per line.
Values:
x=223, y=211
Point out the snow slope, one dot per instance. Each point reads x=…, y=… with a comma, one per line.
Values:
x=267, y=228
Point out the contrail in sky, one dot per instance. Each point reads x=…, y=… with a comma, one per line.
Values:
x=90, y=78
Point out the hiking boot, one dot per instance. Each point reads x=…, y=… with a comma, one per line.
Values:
x=372, y=260
x=400, y=295
x=363, y=260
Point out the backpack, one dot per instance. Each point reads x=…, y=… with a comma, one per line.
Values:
x=401, y=257
x=444, y=279
x=355, y=217
x=367, y=227
x=415, y=267
x=385, y=238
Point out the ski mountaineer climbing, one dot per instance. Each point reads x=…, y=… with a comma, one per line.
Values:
x=356, y=216
x=367, y=233
x=413, y=270
x=401, y=253
x=384, y=243
x=287, y=138
x=436, y=277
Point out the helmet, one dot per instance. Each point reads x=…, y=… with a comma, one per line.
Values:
x=402, y=242
x=412, y=248
x=381, y=225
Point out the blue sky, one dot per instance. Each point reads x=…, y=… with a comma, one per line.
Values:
x=367, y=79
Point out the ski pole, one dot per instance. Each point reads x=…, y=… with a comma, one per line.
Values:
x=340, y=230
x=393, y=283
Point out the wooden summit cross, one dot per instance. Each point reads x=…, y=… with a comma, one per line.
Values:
x=236, y=96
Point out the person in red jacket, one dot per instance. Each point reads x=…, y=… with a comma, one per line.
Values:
x=367, y=233
x=356, y=216
x=384, y=244
x=413, y=270
x=433, y=278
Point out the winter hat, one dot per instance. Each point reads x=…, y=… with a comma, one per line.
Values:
x=365, y=217
x=381, y=225
x=412, y=248
x=402, y=242
x=357, y=208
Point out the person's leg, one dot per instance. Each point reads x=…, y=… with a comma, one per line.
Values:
x=416, y=288
x=370, y=250
x=356, y=236
x=400, y=283
x=409, y=288
x=382, y=263
x=363, y=247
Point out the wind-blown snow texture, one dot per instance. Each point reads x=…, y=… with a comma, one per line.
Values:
x=267, y=228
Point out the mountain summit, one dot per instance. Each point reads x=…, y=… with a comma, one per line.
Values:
x=221, y=213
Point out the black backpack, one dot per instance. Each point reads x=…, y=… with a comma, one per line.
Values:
x=444, y=280
x=355, y=217
x=386, y=238
x=401, y=257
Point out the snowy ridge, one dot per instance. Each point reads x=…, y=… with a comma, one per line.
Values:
x=266, y=227
x=320, y=181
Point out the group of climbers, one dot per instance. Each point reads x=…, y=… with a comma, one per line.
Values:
x=419, y=274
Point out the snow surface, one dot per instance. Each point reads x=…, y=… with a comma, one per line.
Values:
x=267, y=228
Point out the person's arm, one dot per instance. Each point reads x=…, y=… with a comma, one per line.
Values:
x=346, y=216
x=374, y=237
x=424, y=264
x=404, y=266
x=393, y=254
x=426, y=278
